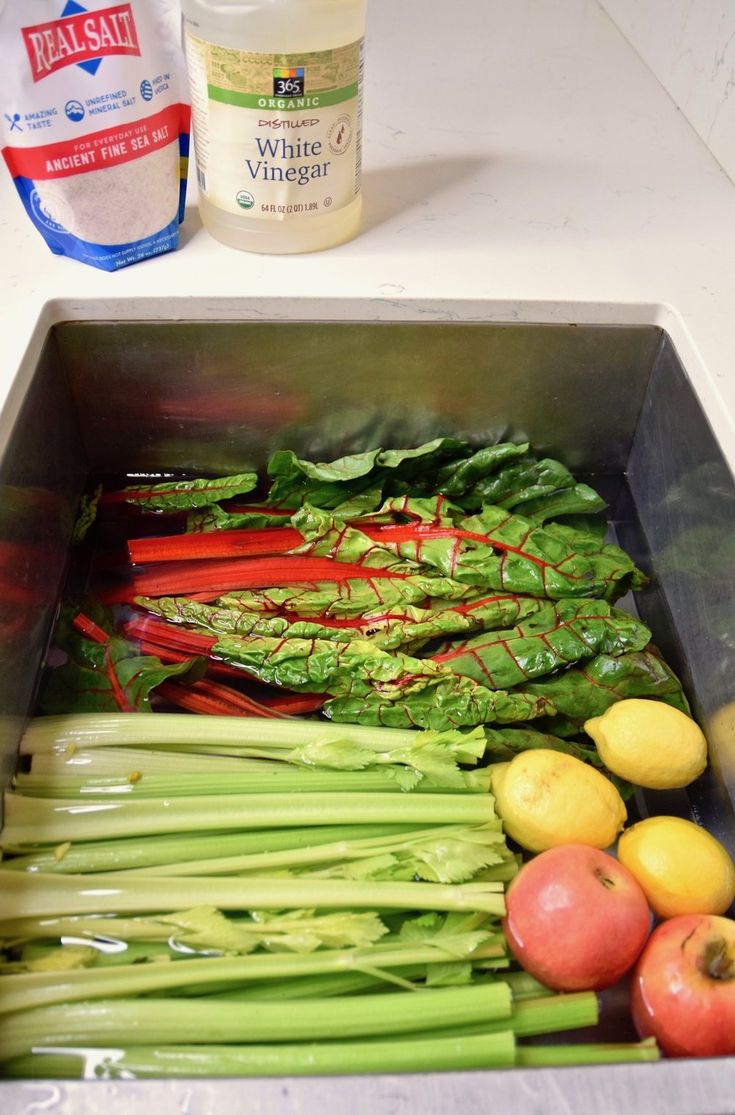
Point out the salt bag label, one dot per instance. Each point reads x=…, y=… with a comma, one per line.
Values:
x=276, y=135
x=80, y=38
x=96, y=126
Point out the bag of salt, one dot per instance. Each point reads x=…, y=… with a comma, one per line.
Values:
x=96, y=124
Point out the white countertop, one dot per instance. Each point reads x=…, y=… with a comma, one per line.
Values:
x=520, y=163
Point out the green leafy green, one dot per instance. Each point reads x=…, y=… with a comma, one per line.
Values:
x=87, y=514
x=183, y=495
x=213, y=517
x=585, y=691
x=331, y=484
x=373, y=686
x=493, y=550
x=116, y=678
x=579, y=500
x=432, y=755
x=438, y=704
x=403, y=626
x=98, y=677
x=503, y=743
x=460, y=477
x=350, y=597
x=205, y=928
x=553, y=637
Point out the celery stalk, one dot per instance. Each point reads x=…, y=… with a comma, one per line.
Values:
x=343, y=851
x=47, y=895
x=317, y=987
x=546, y=1015
x=525, y=986
x=57, y=733
x=587, y=1053
x=413, y=757
x=170, y=850
x=59, y=819
x=163, y=1020
x=35, y=989
x=265, y=778
x=113, y=761
x=305, y=1059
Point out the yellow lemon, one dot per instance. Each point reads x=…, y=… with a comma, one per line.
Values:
x=546, y=797
x=680, y=866
x=649, y=743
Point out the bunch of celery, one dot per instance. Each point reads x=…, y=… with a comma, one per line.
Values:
x=237, y=896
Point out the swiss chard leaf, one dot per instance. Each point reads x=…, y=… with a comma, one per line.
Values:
x=507, y=475
x=524, y=480
x=330, y=484
x=585, y=691
x=211, y=618
x=319, y=666
x=552, y=638
x=87, y=514
x=411, y=627
x=362, y=672
x=580, y=499
x=493, y=550
x=374, y=686
x=436, y=704
x=460, y=477
x=404, y=626
x=103, y=677
x=326, y=536
x=504, y=743
x=552, y=561
x=350, y=598
x=120, y=680
x=184, y=495
x=213, y=517
x=259, y=515
x=285, y=463
x=295, y=481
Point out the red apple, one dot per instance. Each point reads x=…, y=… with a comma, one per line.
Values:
x=683, y=987
x=576, y=918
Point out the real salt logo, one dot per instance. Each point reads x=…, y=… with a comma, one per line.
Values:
x=80, y=38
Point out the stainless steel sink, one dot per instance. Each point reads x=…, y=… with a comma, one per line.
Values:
x=614, y=402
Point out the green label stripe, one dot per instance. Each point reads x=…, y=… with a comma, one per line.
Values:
x=282, y=104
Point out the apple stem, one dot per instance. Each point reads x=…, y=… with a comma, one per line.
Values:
x=719, y=964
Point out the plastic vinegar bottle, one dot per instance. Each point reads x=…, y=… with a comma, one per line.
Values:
x=276, y=97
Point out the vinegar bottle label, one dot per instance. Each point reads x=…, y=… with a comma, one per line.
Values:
x=276, y=135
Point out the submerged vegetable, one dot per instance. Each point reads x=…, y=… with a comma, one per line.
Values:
x=425, y=611
x=154, y=943
x=380, y=588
